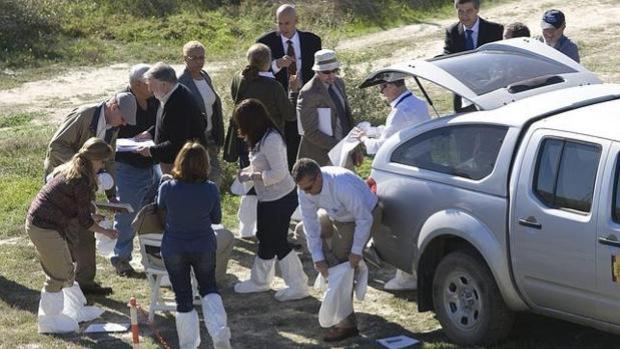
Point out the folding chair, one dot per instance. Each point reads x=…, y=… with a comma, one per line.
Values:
x=150, y=245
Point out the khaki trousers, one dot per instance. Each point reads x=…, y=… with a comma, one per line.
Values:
x=54, y=257
x=83, y=251
x=337, y=245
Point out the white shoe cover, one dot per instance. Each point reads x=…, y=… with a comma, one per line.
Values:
x=261, y=277
x=294, y=277
x=216, y=320
x=247, y=215
x=51, y=319
x=402, y=281
x=75, y=305
x=188, y=329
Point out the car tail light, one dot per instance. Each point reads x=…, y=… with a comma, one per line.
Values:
x=372, y=184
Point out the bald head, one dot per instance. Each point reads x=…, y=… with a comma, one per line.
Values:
x=286, y=17
x=286, y=9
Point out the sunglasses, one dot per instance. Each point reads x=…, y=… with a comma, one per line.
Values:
x=310, y=185
x=328, y=72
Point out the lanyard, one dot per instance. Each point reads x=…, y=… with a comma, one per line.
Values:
x=409, y=94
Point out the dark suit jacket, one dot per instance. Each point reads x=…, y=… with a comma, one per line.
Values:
x=217, y=120
x=180, y=121
x=309, y=44
x=314, y=143
x=455, y=42
x=455, y=35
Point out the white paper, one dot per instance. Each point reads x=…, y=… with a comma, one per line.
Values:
x=340, y=155
x=300, y=128
x=130, y=144
x=107, y=327
x=325, y=121
x=397, y=342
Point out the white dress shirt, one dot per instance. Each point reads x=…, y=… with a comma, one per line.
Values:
x=346, y=198
x=269, y=158
x=296, y=47
x=208, y=98
x=102, y=125
x=407, y=110
x=476, y=29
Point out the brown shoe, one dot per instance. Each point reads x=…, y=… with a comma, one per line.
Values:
x=336, y=334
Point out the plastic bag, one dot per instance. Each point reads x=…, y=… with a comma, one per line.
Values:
x=105, y=245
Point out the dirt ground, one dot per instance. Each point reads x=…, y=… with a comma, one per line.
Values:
x=258, y=321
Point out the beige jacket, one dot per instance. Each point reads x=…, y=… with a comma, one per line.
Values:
x=75, y=130
x=314, y=143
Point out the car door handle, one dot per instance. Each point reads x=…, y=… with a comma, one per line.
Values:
x=530, y=222
x=610, y=240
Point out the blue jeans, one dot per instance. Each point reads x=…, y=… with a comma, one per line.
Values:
x=137, y=187
x=179, y=265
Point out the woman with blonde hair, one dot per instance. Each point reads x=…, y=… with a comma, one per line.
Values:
x=63, y=201
x=255, y=81
x=191, y=204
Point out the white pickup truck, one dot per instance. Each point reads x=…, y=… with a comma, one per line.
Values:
x=515, y=207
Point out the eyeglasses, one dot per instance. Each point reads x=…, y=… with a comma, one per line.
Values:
x=382, y=87
x=328, y=72
x=193, y=58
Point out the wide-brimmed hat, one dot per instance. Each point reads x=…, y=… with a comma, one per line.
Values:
x=325, y=60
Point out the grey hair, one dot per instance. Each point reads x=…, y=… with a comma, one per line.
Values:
x=136, y=73
x=460, y=2
x=161, y=72
x=304, y=168
x=259, y=56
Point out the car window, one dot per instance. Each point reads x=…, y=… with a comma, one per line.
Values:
x=487, y=71
x=616, y=204
x=566, y=173
x=465, y=151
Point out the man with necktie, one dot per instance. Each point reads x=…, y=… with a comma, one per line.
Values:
x=293, y=57
x=324, y=110
x=468, y=33
x=103, y=121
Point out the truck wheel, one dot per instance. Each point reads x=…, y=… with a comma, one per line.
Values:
x=467, y=301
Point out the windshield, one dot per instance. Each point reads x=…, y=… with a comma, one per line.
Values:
x=487, y=71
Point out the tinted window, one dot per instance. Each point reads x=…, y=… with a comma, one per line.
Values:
x=465, y=151
x=487, y=71
x=566, y=174
x=616, y=206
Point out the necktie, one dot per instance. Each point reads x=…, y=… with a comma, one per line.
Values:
x=340, y=112
x=469, y=39
x=290, y=51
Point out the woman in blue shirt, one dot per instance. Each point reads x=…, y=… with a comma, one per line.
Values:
x=191, y=204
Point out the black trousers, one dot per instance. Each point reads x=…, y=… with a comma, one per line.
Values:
x=272, y=222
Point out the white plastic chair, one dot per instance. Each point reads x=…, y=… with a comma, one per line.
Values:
x=150, y=246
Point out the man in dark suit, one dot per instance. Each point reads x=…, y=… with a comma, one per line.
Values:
x=293, y=52
x=468, y=33
x=179, y=118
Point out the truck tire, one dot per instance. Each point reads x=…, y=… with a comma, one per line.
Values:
x=467, y=302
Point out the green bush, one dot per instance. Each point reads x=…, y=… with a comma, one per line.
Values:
x=39, y=32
